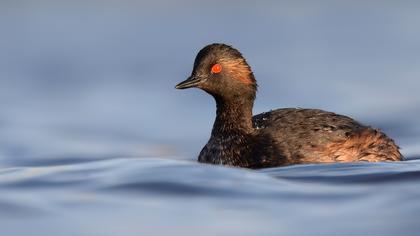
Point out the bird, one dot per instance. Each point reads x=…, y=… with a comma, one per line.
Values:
x=278, y=137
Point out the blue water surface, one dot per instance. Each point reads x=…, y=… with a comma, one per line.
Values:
x=95, y=140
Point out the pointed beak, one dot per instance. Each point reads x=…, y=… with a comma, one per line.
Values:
x=192, y=81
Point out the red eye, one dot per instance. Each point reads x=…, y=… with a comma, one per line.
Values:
x=216, y=68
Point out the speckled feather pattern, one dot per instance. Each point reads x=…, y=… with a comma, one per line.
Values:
x=316, y=136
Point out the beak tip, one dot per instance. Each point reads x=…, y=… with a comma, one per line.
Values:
x=179, y=86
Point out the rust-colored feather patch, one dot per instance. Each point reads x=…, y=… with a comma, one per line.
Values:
x=367, y=145
x=239, y=70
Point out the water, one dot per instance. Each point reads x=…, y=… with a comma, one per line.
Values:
x=134, y=196
x=96, y=141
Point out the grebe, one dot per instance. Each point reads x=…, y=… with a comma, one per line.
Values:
x=278, y=137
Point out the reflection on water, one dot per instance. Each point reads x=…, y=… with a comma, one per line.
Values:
x=96, y=141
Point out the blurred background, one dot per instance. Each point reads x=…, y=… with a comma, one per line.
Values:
x=87, y=80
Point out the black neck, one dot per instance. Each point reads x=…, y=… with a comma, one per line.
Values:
x=233, y=116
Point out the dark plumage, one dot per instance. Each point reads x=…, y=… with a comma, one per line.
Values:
x=279, y=137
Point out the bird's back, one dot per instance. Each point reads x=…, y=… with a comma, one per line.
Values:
x=316, y=136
